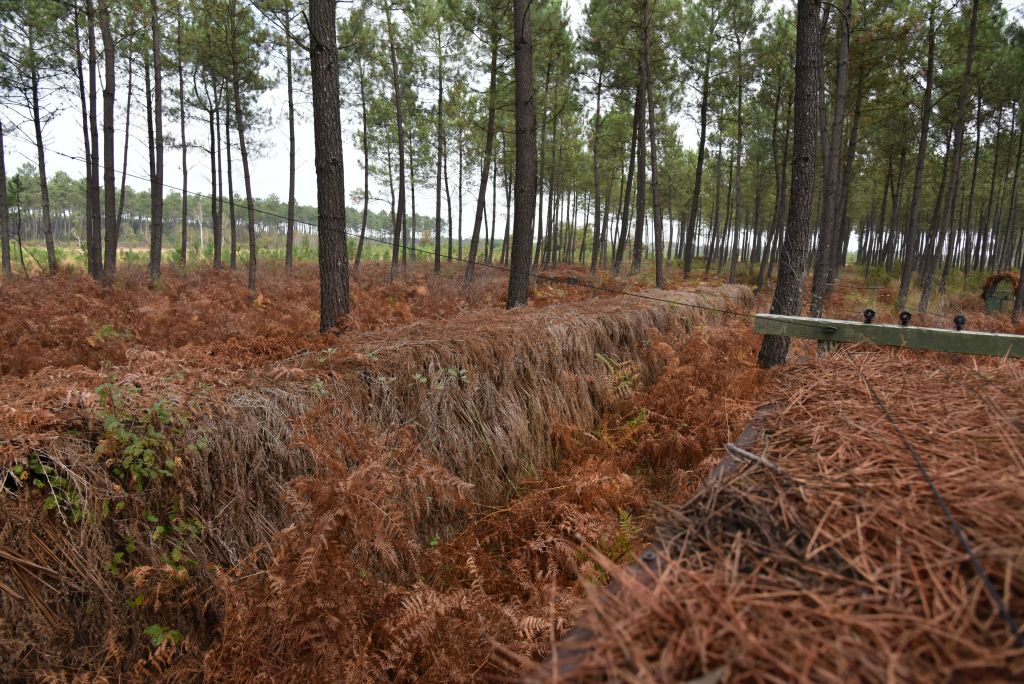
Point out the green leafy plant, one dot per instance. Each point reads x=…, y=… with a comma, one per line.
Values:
x=106, y=333
x=59, y=491
x=138, y=447
x=158, y=635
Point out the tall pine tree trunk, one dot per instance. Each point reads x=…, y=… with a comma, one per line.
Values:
x=330, y=172
x=399, y=124
x=94, y=239
x=5, y=230
x=485, y=166
x=366, y=166
x=659, y=256
x=109, y=191
x=44, y=191
x=641, y=177
x=958, y=146
x=597, y=177
x=156, y=183
x=243, y=150
x=829, y=233
x=910, y=252
x=440, y=154
x=184, y=142
x=289, y=240
x=788, y=298
x=526, y=149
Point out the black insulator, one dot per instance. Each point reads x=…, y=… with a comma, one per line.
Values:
x=869, y=315
x=960, y=321
x=905, y=318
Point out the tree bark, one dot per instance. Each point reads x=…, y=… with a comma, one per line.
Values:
x=829, y=234
x=659, y=256
x=397, y=89
x=330, y=175
x=526, y=150
x=958, y=146
x=597, y=178
x=94, y=239
x=366, y=165
x=184, y=144
x=485, y=166
x=788, y=298
x=109, y=197
x=127, y=130
x=620, y=248
x=641, y=178
x=44, y=191
x=232, y=221
x=243, y=150
x=922, y=152
x=5, y=230
x=691, y=227
x=289, y=245
x=156, y=184
x=440, y=154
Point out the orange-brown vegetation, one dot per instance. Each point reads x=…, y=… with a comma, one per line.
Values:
x=196, y=484
x=825, y=556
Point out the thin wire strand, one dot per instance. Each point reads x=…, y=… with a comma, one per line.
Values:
x=979, y=569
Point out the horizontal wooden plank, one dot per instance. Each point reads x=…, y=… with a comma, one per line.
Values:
x=935, y=339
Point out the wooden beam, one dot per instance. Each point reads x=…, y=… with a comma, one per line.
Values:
x=935, y=339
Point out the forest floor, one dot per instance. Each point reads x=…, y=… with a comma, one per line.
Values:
x=198, y=484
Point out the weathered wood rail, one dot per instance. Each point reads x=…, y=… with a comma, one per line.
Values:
x=935, y=339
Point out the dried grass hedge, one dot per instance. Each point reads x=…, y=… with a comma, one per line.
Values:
x=337, y=465
x=835, y=564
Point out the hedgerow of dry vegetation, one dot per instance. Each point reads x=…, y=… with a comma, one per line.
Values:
x=835, y=563
x=402, y=503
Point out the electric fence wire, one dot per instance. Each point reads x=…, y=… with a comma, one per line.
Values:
x=979, y=569
x=573, y=282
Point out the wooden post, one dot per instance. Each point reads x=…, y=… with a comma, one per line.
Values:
x=934, y=339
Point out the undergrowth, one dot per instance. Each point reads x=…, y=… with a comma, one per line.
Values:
x=365, y=586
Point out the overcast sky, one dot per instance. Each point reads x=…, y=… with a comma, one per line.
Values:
x=269, y=167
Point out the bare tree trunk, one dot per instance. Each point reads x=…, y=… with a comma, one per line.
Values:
x=240, y=127
x=366, y=165
x=788, y=298
x=440, y=154
x=289, y=243
x=44, y=191
x=184, y=144
x=597, y=179
x=691, y=228
x=739, y=155
x=330, y=173
x=641, y=178
x=109, y=203
x=94, y=239
x=958, y=146
x=5, y=230
x=485, y=165
x=156, y=185
x=620, y=248
x=659, y=256
x=922, y=152
x=233, y=223
x=79, y=68
x=397, y=88
x=829, y=234
x=127, y=130
x=215, y=225
x=526, y=150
